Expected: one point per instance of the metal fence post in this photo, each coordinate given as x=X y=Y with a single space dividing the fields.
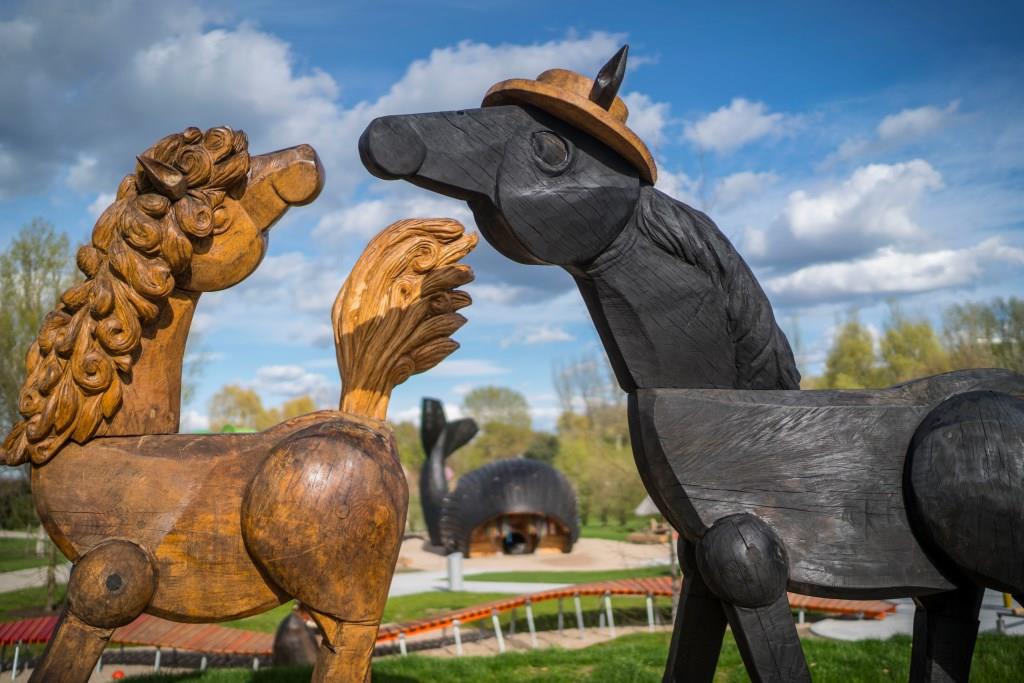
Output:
x=561 y=617
x=579 y=613
x=650 y=612
x=608 y=612
x=458 y=637
x=530 y=624
x=401 y=643
x=497 y=631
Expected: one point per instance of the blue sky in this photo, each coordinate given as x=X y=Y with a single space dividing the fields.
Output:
x=854 y=154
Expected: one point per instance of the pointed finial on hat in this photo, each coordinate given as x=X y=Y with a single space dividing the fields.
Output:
x=165 y=179
x=609 y=78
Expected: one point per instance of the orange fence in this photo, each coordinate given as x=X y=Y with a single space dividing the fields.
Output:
x=655 y=587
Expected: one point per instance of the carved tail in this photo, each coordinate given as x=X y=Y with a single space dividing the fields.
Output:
x=440 y=439
x=395 y=313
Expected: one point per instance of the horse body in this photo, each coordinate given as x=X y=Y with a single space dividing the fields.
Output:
x=218 y=526
x=833 y=493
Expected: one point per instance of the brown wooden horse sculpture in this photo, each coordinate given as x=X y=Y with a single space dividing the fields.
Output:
x=203 y=528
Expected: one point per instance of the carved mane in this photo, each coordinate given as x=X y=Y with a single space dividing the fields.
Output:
x=764 y=359
x=87 y=346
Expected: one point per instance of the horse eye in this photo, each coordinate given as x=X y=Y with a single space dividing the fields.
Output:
x=551 y=150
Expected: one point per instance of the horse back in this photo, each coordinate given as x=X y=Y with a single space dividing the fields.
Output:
x=824 y=468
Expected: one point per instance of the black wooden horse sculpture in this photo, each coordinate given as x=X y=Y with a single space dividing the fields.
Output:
x=916 y=490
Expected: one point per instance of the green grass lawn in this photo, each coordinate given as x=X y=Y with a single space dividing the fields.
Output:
x=20 y=553
x=27 y=602
x=571 y=577
x=611 y=532
x=640 y=657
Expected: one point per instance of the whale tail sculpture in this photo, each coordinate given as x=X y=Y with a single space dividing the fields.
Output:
x=916 y=490
x=440 y=438
x=211 y=527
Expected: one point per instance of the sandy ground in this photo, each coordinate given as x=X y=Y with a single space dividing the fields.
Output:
x=587 y=554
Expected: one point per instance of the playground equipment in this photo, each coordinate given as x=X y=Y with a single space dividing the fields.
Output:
x=200 y=528
x=917 y=490
x=513 y=506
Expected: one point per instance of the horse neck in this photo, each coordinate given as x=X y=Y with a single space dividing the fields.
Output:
x=676 y=306
x=151 y=397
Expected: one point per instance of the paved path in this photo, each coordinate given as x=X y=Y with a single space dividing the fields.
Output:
x=30 y=578
x=902 y=622
x=408 y=583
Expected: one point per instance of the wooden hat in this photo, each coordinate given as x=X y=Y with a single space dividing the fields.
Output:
x=593 y=106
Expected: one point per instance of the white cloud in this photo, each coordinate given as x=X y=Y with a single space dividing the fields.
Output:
x=896 y=129
x=733 y=189
x=736 y=125
x=467 y=367
x=100 y=204
x=192 y=421
x=367 y=218
x=543 y=334
x=873 y=207
x=890 y=271
x=647 y=118
x=875 y=200
x=291 y=381
x=911 y=123
x=679 y=186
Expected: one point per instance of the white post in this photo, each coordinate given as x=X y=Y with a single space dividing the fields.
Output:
x=455 y=571
x=458 y=637
x=401 y=643
x=579 y=613
x=17 y=651
x=650 y=612
x=256 y=663
x=497 y=631
x=512 y=622
x=561 y=617
x=800 y=616
x=156 y=660
x=202 y=663
x=530 y=625
x=608 y=611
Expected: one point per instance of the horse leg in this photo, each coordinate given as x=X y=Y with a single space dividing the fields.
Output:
x=700 y=625
x=945 y=629
x=744 y=563
x=346 y=650
x=110 y=585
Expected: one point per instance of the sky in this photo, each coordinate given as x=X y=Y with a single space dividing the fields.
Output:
x=859 y=155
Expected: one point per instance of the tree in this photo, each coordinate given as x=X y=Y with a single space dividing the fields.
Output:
x=497 y=404
x=503 y=416
x=238 y=407
x=910 y=349
x=34 y=270
x=979 y=335
x=850 y=363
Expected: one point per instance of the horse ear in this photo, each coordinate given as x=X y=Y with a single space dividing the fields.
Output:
x=165 y=179
x=609 y=78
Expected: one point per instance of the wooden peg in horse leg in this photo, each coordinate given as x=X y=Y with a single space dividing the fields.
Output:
x=744 y=563
x=110 y=586
x=699 y=628
x=945 y=630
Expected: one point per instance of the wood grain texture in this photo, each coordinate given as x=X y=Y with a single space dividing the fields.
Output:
x=400 y=302
x=215 y=527
x=716 y=424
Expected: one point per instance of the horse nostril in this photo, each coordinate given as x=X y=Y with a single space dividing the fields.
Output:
x=390 y=149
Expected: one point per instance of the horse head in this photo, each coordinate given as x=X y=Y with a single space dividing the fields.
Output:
x=548 y=167
x=554 y=176
x=192 y=217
